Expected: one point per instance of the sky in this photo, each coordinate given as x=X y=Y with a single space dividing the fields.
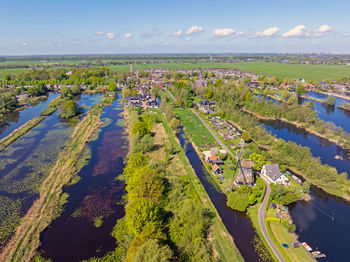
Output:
x=43 y=27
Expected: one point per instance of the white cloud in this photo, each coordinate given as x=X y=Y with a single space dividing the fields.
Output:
x=24 y=44
x=100 y=33
x=177 y=33
x=297 y=31
x=188 y=39
x=322 y=30
x=194 y=29
x=128 y=35
x=347 y=35
x=110 y=35
x=266 y=33
x=224 y=32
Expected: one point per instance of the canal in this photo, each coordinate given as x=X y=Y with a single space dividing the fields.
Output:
x=97 y=195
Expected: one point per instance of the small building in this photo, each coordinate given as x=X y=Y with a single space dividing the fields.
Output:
x=132 y=101
x=216 y=169
x=272 y=173
x=205 y=109
x=214 y=160
x=245 y=174
x=152 y=103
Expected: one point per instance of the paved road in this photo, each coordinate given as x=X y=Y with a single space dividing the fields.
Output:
x=263 y=203
x=262 y=224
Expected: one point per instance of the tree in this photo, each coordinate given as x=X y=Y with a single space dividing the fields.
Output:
x=146 y=144
x=248 y=97
x=75 y=90
x=143 y=215
x=289 y=198
x=246 y=136
x=306 y=186
x=140 y=129
x=174 y=124
x=301 y=90
x=259 y=161
x=152 y=251
x=112 y=86
x=292 y=100
x=69 y=109
x=239 y=200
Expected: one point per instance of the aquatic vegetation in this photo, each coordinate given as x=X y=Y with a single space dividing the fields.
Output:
x=98 y=221
x=77 y=213
x=51 y=200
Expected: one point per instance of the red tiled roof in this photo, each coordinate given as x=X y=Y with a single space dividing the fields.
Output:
x=213 y=158
x=215 y=167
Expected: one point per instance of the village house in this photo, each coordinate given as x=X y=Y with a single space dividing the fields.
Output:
x=132 y=101
x=214 y=160
x=216 y=170
x=272 y=173
x=245 y=174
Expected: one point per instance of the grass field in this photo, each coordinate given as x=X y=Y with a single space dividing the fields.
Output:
x=308 y=72
x=282 y=236
x=4 y=72
x=195 y=129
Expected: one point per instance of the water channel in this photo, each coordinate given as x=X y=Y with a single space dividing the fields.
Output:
x=25 y=164
x=97 y=194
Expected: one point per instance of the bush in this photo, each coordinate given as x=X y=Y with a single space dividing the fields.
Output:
x=146 y=144
x=153 y=251
x=140 y=129
x=69 y=109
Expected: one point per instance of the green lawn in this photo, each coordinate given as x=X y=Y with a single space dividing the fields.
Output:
x=195 y=129
x=308 y=72
x=282 y=236
x=4 y=72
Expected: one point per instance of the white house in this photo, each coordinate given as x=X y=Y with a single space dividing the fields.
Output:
x=272 y=173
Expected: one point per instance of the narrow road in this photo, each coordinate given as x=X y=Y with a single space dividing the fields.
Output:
x=262 y=224
x=263 y=204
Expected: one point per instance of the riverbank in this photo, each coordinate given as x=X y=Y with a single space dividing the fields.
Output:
x=26 y=240
x=19 y=132
x=298 y=125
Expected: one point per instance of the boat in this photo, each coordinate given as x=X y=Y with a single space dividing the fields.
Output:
x=307 y=247
x=315 y=253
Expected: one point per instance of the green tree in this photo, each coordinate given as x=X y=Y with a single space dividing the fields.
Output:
x=69 y=109
x=153 y=251
x=301 y=90
x=289 y=198
x=75 y=90
x=174 y=124
x=112 y=86
x=259 y=161
x=246 y=136
x=140 y=129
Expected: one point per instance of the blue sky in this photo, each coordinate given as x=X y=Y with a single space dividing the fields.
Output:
x=169 y=26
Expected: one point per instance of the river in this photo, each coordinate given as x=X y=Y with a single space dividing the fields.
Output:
x=27 y=162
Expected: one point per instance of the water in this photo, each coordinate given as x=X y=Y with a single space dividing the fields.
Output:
x=16 y=119
x=96 y=194
x=27 y=162
x=324 y=221
x=319 y=147
x=237 y=223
